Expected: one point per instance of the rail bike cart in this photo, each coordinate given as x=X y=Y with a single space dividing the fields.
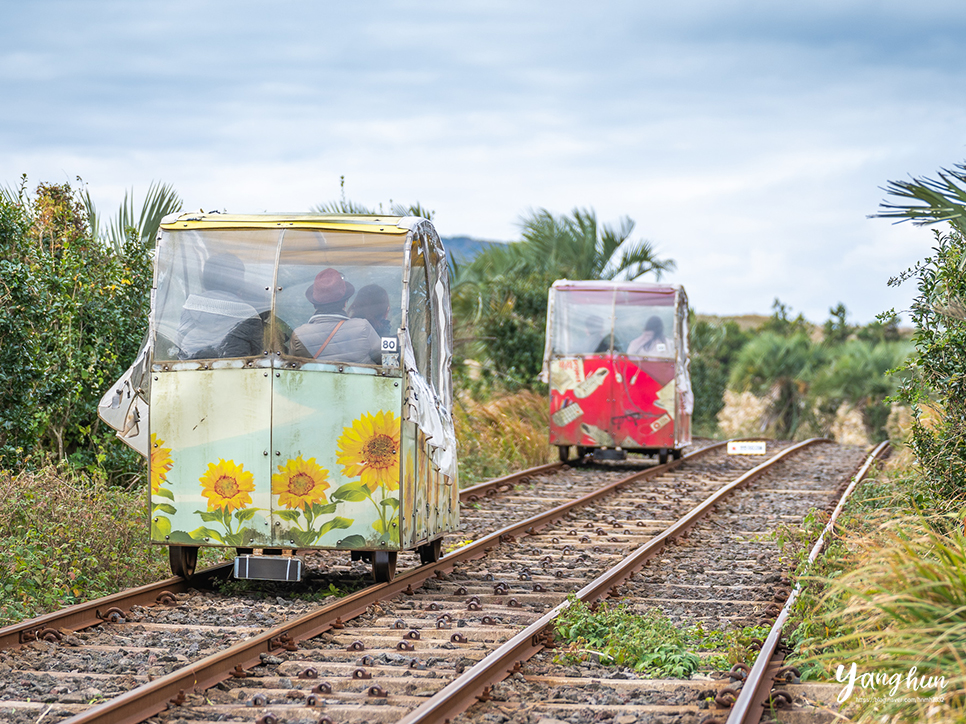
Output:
x=294 y=391
x=616 y=360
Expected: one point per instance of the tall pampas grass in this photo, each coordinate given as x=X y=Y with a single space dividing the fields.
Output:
x=905 y=617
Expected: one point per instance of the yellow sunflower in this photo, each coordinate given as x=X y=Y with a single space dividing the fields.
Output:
x=370 y=449
x=227 y=485
x=300 y=483
x=161 y=463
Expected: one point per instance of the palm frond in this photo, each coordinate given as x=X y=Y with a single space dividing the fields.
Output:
x=416 y=209
x=160 y=200
x=342 y=207
x=942 y=199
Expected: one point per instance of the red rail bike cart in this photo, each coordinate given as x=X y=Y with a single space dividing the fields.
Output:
x=616 y=361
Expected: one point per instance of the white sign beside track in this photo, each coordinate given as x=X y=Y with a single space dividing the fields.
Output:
x=746 y=447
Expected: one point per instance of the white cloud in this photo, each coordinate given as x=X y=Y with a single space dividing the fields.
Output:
x=748 y=140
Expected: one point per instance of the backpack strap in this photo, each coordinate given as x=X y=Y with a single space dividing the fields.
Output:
x=329 y=338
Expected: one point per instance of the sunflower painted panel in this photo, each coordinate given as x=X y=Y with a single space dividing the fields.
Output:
x=335 y=460
x=210 y=437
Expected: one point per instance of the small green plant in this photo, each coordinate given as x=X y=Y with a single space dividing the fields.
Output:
x=614 y=634
x=450 y=547
x=722 y=649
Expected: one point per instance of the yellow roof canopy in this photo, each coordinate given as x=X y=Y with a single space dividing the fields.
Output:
x=332 y=222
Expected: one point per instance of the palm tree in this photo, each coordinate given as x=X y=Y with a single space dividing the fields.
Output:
x=858 y=373
x=505 y=287
x=160 y=200
x=344 y=206
x=577 y=247
x=777 y=368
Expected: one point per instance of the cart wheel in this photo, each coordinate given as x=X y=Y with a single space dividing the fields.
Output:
x=431 y=552
x=183 y=560
x=564 y=451
x=676 y=454
x=383 y=566
x=662 y=456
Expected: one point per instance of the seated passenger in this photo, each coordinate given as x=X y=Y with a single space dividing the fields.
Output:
x=652 y=341
x=593 y=340
x=372 y=304
x=330 y=334
x=217 y=322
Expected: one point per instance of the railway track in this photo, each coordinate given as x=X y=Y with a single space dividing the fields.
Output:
x=400 y=651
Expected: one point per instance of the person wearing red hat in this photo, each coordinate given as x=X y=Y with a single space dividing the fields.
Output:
x=330 y=334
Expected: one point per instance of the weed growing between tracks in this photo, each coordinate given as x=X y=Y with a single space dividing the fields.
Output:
x=615 y=634
x=307 y=589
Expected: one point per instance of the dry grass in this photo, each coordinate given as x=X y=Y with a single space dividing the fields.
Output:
x=848 y=427
x=905 y=619
x=501 y=435
x=888 y=598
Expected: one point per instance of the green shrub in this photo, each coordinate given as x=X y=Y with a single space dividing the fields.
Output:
x=67 y=537
x=72 y=315
x=713 y=349
x=935 y=387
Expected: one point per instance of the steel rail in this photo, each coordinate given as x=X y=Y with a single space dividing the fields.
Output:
x=149 y=699
x=91 y=613
x=481 y=490
x=749 y=705
x=462 y=692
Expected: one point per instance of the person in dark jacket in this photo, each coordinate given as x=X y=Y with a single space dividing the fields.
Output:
x=330 y=334
x=372 y=304
x=217 y=322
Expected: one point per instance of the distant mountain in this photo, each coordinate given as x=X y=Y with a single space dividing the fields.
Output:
x=464 y=248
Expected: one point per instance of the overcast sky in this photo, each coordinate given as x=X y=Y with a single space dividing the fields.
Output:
x=749 y=141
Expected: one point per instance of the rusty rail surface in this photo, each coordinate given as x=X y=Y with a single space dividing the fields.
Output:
x=490 y=487
x=463 y=692
x=94 y=612
x=756 y=689
x=149 y=699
